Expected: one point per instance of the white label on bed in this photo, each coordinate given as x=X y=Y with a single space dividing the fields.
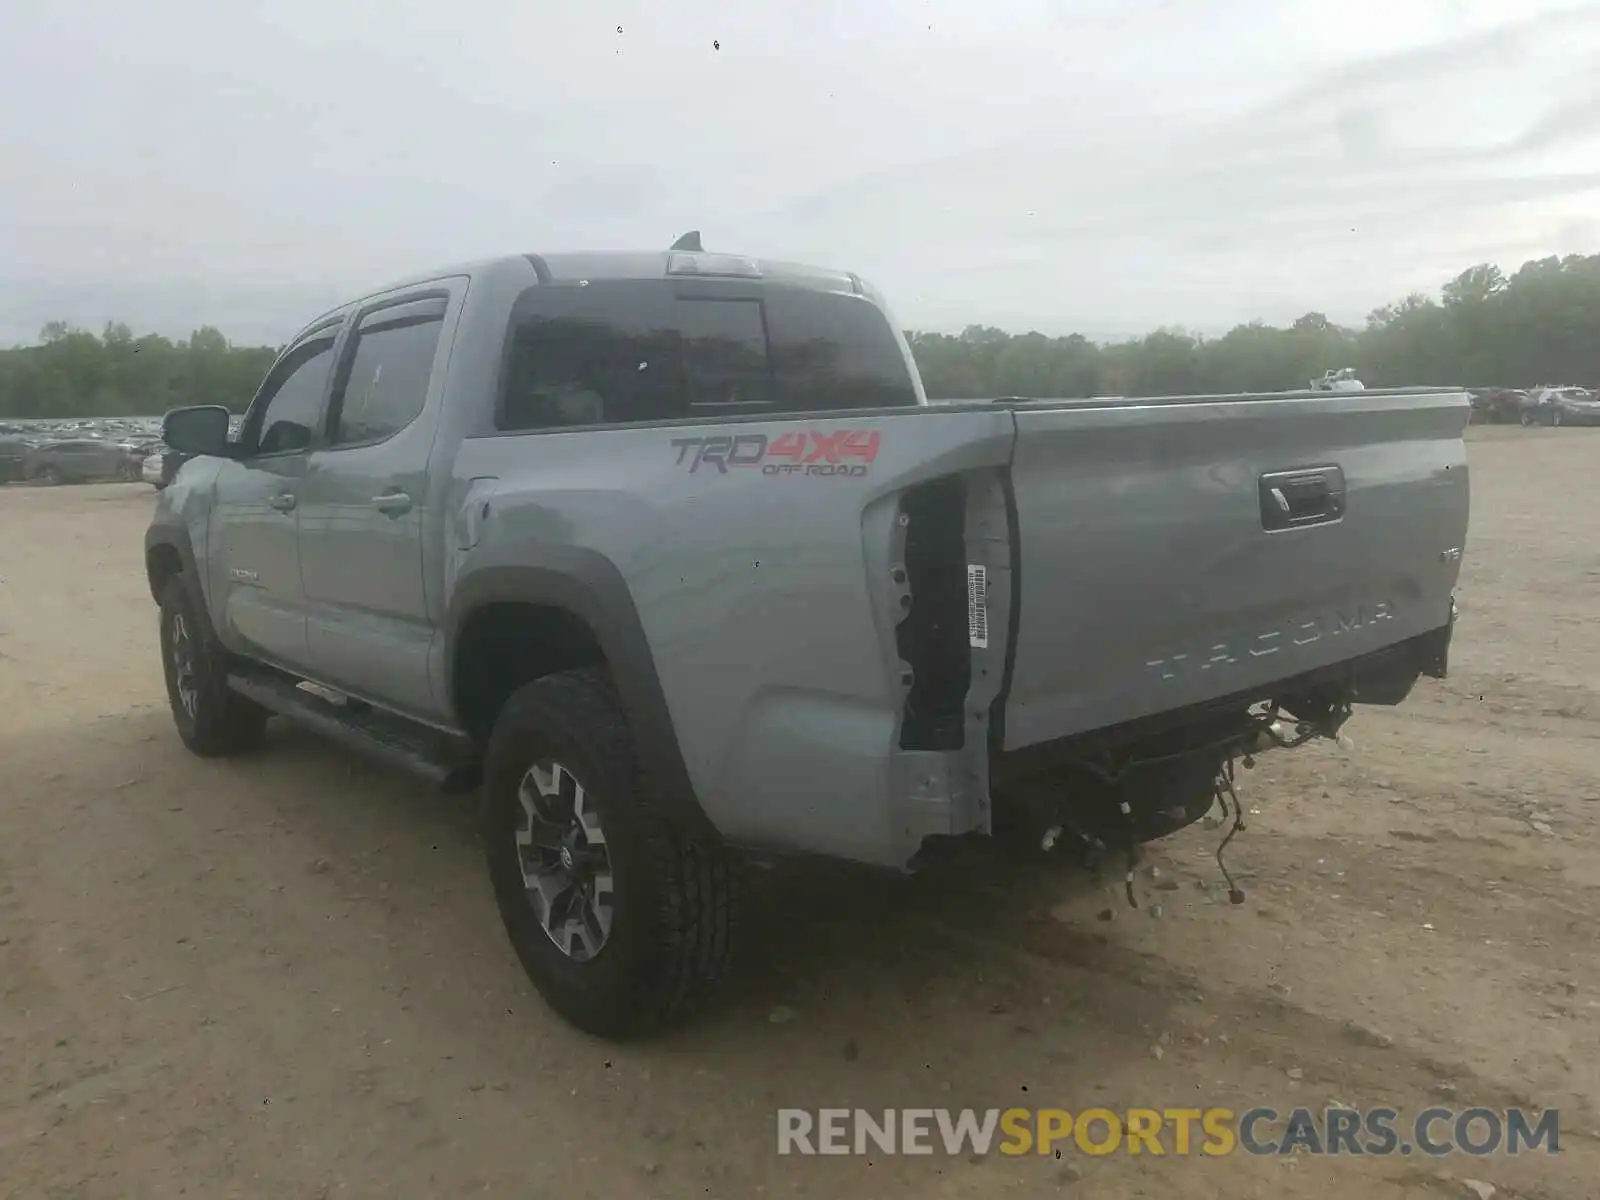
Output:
x=978 y=605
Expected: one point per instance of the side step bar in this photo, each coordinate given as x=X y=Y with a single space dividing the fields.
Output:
x=434 y=756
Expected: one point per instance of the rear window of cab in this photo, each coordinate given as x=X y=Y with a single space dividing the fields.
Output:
x=622 y=352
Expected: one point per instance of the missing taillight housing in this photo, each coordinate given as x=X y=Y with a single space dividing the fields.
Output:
x=932 y=637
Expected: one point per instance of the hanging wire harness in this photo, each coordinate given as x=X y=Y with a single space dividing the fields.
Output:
x=1267 y=728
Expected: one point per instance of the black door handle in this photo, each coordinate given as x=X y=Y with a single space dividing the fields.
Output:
x=1304 y=496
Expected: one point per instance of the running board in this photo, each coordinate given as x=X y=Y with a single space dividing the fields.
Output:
x=432 y=755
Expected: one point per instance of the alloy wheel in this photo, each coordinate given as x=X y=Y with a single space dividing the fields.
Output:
x=183 y=666
x=565 y=862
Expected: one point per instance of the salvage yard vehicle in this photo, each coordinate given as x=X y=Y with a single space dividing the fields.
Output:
x=1562 y=406
x=1499 y=406
x=1340 y=379
x=668 y=557
x=14 y=451
x=82 y=460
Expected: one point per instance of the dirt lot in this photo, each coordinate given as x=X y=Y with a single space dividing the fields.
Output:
x=284 y=976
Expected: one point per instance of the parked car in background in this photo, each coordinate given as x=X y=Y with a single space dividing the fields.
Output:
x=1498 y=406
x=1342 y=379
x=80 y=460
x=1562 y=406
x=14 y=451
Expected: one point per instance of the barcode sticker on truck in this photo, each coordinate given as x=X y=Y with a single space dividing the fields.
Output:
x=978 y=605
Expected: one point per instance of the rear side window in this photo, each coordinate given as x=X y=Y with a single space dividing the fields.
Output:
x=621 y=353
x=387 y=383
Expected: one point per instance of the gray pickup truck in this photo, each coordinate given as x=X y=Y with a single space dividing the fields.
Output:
x=668 y=555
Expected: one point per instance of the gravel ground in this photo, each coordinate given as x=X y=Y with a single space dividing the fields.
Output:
x=283 y=976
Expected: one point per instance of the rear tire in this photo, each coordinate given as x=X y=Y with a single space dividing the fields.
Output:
x=652 y=954
x=212 y=720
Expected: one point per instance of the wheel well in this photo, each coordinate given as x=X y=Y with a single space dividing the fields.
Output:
x=161 y=564
x=502 y=646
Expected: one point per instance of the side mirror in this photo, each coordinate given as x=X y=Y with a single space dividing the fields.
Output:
x=202 y=429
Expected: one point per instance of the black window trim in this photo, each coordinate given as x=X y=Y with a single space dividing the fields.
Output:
x=330 y=331
x=426 y=305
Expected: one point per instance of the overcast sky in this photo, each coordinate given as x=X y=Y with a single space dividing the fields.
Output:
x=1101 y=166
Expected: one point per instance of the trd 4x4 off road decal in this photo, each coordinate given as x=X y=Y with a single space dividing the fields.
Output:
x=847 y=452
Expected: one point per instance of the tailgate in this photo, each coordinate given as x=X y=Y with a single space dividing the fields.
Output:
x=1176 y=551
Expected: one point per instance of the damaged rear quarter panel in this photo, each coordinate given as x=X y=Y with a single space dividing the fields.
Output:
x=763 y=588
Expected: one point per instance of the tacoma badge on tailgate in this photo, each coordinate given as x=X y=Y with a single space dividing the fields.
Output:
x=1297 y=633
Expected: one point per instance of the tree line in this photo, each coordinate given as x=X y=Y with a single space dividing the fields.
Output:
x=1538 y=326
x=75 y=373
x=1485 y=329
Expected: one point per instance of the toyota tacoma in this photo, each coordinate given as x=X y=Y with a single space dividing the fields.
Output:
x=668 y=558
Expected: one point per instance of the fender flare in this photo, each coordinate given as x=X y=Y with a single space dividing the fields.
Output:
x=588 y=585
x=175 y=536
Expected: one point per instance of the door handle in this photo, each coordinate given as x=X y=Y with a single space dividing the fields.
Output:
x=283 y=502
x=392 y=503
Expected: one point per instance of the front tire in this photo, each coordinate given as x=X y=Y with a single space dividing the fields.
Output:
x=621 y=921
x=212 y=720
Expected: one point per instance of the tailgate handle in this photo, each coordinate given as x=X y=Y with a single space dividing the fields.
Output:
x=1304 y=496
